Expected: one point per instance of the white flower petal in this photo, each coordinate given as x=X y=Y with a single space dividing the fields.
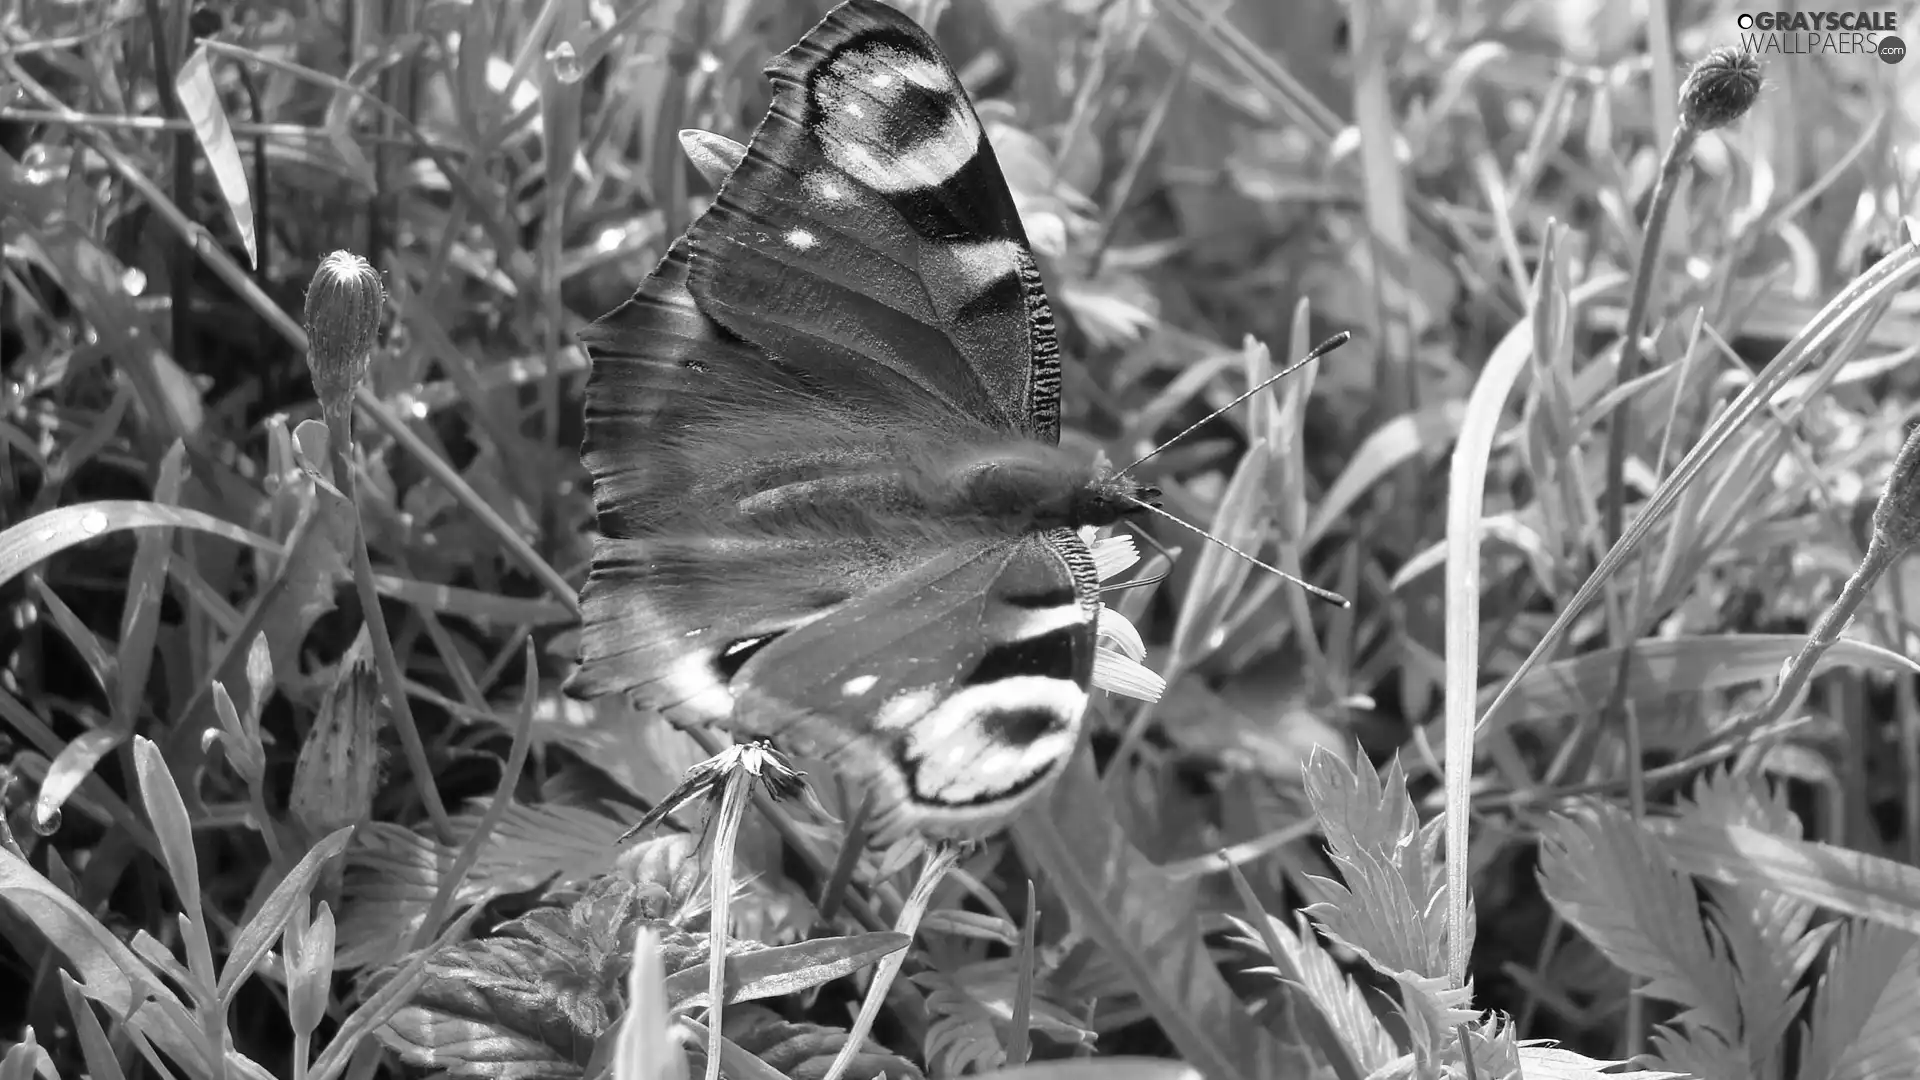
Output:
x=1116 y=674
x=1113 y=554
x=1116 y=631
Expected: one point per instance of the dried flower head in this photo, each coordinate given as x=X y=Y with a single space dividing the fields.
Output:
x=343 y=325
x=1720 y=89
x=1896 y=519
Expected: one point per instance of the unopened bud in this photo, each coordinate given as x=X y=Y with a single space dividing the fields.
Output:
x=240 y=735
x=1720 y=89
x=308 y=953
x=1896 y=519
x=339 y=764
x=343 y=325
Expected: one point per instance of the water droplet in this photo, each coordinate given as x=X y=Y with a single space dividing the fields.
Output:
x=93 y=523
x=566 y=63
x=47 y=825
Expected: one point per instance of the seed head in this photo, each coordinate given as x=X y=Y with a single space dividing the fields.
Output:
x=343 y=325
x=1720 y=89
x=1896 y=519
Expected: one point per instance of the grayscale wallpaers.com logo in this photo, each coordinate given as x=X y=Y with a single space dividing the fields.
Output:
x=1816 y=33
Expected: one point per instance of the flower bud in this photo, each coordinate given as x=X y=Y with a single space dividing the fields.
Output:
x=339 y=765
x=1896 y=518
x=239 y=735
x=343 y=325
x=1720 y=89
x=308 y=953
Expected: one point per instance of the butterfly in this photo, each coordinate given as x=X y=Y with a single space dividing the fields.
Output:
x=823 y=436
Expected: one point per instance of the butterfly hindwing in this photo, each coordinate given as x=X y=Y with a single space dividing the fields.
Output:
x=870 y=227
x=968 y=676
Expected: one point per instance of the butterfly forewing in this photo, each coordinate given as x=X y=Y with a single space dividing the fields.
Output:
x=870 y=226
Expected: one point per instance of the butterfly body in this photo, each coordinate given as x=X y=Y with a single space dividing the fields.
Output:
x=823 y=436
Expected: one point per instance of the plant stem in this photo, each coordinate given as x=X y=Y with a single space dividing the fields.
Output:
x=339 y=438
x=1642 y=290
x=1614 y=494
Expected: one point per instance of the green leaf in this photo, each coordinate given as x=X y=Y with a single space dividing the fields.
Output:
x=168 y=814
x=1147 y=924
x=495 y=1009
x=257 y=936
x=174 y=829
x=102 y=1062
x=109 y=971
x=1608 y=876
x=1848 y=881
x=786 y=969
x=1539 y=1061
x=56 y=530
x=1105 y=1068
x=146 y=582
x=199 y=99
x=1386 y=908
x=1866 y=1012
x=1664 y=667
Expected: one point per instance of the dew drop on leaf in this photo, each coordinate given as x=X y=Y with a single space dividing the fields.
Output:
x=566 y=63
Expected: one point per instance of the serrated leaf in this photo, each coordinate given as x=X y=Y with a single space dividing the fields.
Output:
x=392 y=876
x=498 y=1009
x=532 y=844
x=1339 y=998
x=1765 y=931
x=1700 y=1052
x=200 y=100
x=1865 y=1023
x=1605 y=874
x=1144 y=921
x=1389 y=906
x=973 y=1011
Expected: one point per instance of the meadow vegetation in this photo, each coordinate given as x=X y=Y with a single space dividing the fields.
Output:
x=1613 y=763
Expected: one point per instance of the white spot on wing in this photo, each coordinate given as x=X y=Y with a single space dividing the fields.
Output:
x=873 y=77
x=858 y=685
x=1034 y=623
x=905 y=708
x=958 y=759
x=825 y=188
x=690 y=681
x=800 y=239
x=984 y=262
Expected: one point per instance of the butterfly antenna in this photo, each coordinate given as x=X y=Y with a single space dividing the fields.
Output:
x=1316 y=353
x=1329 y=596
